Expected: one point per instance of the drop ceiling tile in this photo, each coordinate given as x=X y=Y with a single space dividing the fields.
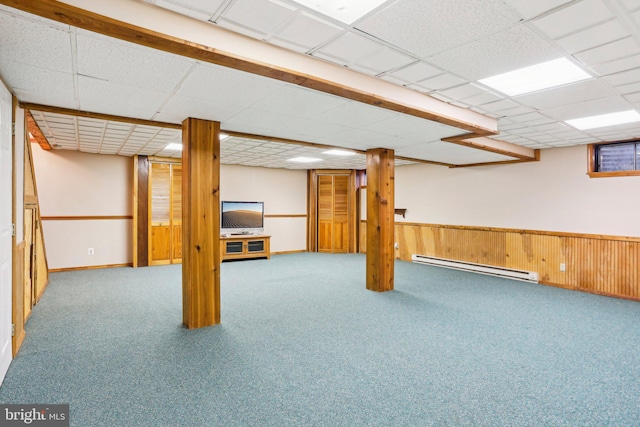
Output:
x=482 y=98
x=348 y=48
x=427 y=27
x=590 y=38
x=207 y=7
x=633 y=97
x=308 y=31
x=383 y=60
x=299 y=102
x=442 y=81
x=573 y=18
x=617 y=65
x=265 y=16
x=588 y=108
x=630 y=88
x=109 y=98
x=530 y=9
x=212 y=82
x=179 y=107
x=182 y=9
x=355 y=115
x=39 y=85
x=259 y=122
x=623 y=78
x=416 y=72
x=569 y=94
x=463 y=91
x=34 y=43
x=236 y=28
x=498 y=106
x=609 y=52
x=311 y=129
x=508 y=50
x=128 y=64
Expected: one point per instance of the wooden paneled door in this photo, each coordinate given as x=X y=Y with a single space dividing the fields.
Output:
x=165 y=211
x=334 y=209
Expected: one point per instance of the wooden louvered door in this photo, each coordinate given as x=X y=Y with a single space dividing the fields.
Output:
x=333 y=213
x=165 y=188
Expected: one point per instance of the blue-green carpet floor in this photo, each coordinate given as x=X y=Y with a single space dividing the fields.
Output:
x=303 y=343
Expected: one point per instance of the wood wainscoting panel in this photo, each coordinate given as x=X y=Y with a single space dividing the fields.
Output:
x=599 y=264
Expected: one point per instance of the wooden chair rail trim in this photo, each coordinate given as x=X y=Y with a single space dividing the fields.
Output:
x=86 y=217
x=522 y=231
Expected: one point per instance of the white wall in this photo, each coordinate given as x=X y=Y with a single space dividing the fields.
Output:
x=74 y=184
x=283 y=191
x=554 y=194
x=71 y=183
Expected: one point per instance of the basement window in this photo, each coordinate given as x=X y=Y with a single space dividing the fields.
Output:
x=614 y=159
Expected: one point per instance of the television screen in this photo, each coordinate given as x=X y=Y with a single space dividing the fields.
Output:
x=242 y=215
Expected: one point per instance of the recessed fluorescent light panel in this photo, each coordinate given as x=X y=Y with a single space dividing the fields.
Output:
x=304 y=160
x=223 y=136
x=537 y=77
x=174 y=147
x=339 y=153
x=347 y=11
x=612 y=119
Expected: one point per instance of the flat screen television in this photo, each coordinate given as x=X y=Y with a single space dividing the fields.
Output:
x=242 y=217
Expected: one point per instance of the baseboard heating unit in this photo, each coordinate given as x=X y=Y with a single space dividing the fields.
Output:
x=509 y=273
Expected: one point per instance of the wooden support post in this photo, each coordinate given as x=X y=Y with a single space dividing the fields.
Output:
x=201 y=223
x=380 y=220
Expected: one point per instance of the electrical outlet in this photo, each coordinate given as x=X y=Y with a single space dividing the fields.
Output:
x=90 y=251
x=563 y=266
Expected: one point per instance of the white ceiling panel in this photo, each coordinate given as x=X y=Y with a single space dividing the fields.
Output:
x=50 y=46
x=179 y=107
x=565 y=95
x=426 y=27
x=438 y=82
x=265 y=16
x=383 y=60
x=259 y=122
x=596 y=107
x=308 y=31
x=128 y=64
x=415 y=72
x=617 y=65
x=348 y=48
x=105 y=97
x=299 y=102
x=208 y=7
x=623 y=78
x=39 y=85
x=356 y=115
x=530 y=9
x=592 y=37
x=215 y=83
x=507 y=50
x=576 y=17
x=413 y=127
x=609 y=52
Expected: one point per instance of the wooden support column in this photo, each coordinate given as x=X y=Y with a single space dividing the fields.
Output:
x=201 y=223
x=380 y=220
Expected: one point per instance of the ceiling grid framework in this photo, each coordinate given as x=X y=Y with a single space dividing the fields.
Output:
x=392 y=43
